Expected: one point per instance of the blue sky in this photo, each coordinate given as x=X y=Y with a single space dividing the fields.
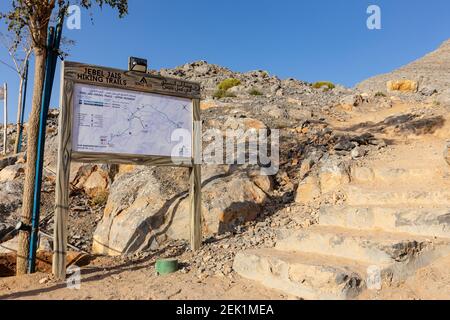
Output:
x=307 y=40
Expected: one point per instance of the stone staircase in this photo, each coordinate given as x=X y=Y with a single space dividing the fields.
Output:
x=396 y=219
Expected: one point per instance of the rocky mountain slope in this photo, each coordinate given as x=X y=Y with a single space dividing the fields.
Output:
x=432 y=72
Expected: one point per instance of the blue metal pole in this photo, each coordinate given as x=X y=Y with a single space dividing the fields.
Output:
x=54 y=41
x=24 y=99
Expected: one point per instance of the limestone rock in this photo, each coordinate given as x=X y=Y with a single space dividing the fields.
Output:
x=274 y=111
x=353 y=100
x=10 y=246
x=11 y=197
x=140 y=210
x=362 y=174
x=358 y=152
x=226 y=202
x=263 y=182
x=428 y=91
x=308 y=190
x=253 y=124
x=11 y=172
x=96 y=184
x=305 y=168
x=300 y=114
x=333 y=174
x=8 y=161
x=402 y=85
x=243 y=124
x=93 y=179
x=209 y=104
x=79 y=173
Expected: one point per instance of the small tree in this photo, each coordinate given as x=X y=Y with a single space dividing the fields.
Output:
x=20 y=51
x=34 y=16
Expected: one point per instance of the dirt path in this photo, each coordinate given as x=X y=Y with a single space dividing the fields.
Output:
x=110 y=279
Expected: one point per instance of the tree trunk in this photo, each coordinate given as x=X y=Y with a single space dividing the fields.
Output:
x=19 y=114
x=32 y=132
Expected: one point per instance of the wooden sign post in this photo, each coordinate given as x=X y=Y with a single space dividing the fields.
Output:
x=124 y=117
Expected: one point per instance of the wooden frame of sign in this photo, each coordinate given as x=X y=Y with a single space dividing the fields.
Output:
x=74 y=73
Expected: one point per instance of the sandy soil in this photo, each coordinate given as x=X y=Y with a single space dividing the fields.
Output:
x=429 y=283
x=109 y=279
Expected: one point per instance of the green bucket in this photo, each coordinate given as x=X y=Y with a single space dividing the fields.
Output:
x=166 y=266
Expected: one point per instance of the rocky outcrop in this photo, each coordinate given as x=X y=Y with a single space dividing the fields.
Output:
x=144 y=209
x=402 y=85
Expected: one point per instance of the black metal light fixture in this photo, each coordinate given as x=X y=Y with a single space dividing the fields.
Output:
x=137 y=64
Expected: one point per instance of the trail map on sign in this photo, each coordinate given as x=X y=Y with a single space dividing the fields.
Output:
x=128 y=122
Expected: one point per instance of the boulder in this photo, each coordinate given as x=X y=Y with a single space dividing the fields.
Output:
x=265 y=183
x=362 y=174
x=333 y=174
x=132 y=209
x=300 y=114
x=12 y=172
x=11 y=197
x=353 y=100
x=209 y=104
x=308 y=190
x=8 y=161
x=358 y=152
x=243 y=124
x=93 y=179
x=146 y=206
x=273 y=111
x=402 y=85
x=428 y=91
x=79 y=173
x=295 y=102
x=305 y=168
x=250 y=123
x=96 y=184
x=226 y=203
x=344 y=145
x=10 y=246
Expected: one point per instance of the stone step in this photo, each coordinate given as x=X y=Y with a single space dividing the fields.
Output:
x=432 y=221
x=374 y=247
x=303 y=275
x=398 y=174
x=363 y=196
